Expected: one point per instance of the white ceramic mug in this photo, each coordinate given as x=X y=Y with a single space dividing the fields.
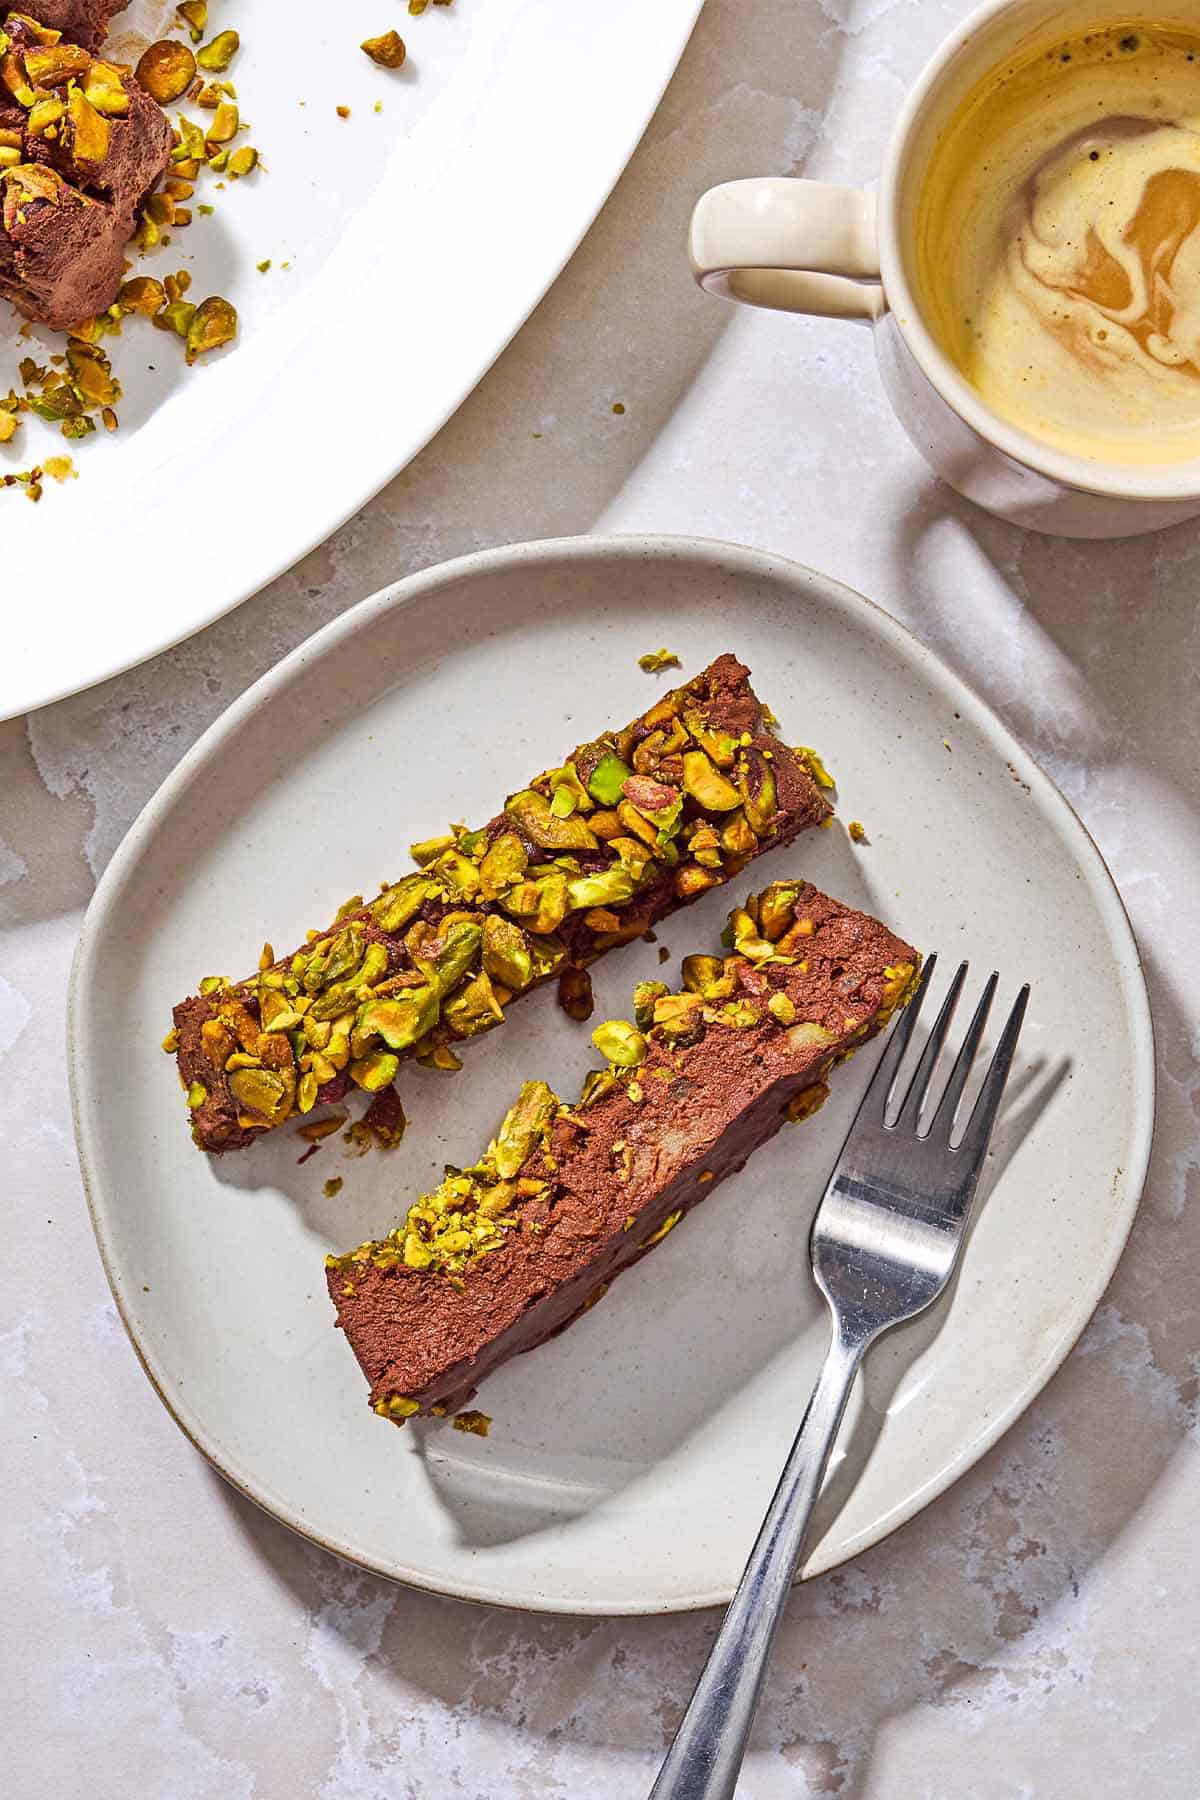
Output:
x=806 y=246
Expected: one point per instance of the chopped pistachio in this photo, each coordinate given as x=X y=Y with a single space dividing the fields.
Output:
x=679 y=1017
x=166 y=70
x=706 y=784
x=472 y=1420
x=197 y=1094
x=104 y=86
x=575 y=994
x=655 y=660
x=782 y=1007
x=808 y=1101
x=607 y=779
x=523 y=1125
x=506 y=954
x=857 y=831
x=644 y=996
x=91 y=133
x=214 y=323
x=194 y=14
x=225 y=122
x=815 y=766
x=143 y=294
x=217 y=55
x=375 y=1072
x=621 y=1042
x=388 y=50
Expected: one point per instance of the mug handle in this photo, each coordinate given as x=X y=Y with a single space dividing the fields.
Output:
x=794 y=245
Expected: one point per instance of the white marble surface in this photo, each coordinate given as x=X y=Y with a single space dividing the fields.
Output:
x=1034 y=1633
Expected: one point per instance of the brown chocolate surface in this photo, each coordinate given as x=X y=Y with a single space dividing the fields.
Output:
x=623 y=1159
x=66 y=222
x=81 y=21
x=724 y=695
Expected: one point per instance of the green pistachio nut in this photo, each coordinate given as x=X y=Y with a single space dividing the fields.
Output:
x=397 y=905
x=706 y=784
x=522 y=1128
x=644 y=996
x=679 y=1017
x=596 y=1084
x=717 y=744
x=621 y=1042
x=503 y=863
x=608 y=778
x=756 y=783
x=506 y=954
x=259 y=1091
x=429 y=849
x=567 y=793
x=609 y=887
x=705 y=975
x=532 y=812
x=777 y=908
x=541 y=904
x=400 y=1022
x=473 y=1009
x=375 y=1071
x=459 y=873
x=548 y=953
x=457 y=953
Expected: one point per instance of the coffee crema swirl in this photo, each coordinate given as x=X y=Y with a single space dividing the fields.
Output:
x=1058 y=244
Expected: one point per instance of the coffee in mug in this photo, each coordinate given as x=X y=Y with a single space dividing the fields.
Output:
x=1057 y=241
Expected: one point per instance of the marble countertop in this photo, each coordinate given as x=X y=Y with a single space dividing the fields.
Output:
x=1032 y=1634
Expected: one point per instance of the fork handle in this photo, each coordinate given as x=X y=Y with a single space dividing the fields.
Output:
x=705 y=1758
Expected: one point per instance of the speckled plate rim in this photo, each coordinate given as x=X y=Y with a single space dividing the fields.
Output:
x=705 y=552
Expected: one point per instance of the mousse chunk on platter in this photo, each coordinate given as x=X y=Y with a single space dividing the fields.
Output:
x=508 y=1251
x=81 y=146
x=631 y=826
x=83 y=22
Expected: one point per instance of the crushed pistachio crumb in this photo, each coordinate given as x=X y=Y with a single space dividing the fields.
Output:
x=333 y=1187
x=388 y=50
x=815 y=766
x=857 y=831
x=477 y=1423
x=656 y=660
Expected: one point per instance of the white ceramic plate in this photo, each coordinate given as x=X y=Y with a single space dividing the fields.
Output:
x=631 y=1459
x=419 y=239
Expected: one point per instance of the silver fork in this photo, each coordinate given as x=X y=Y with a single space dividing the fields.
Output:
x=884 y=1244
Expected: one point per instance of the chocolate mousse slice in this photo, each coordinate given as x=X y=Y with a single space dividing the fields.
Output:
x=81 y=146
x=507 y=1252
x=631 y=826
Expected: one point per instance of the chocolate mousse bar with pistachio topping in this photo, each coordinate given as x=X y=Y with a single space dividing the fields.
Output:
x=81 y=146
x=507 y=1252
x=629 y=827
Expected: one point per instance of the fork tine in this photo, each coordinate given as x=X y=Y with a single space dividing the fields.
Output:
x=979 y=1128
x=918 y=1087
x=874 y=1102
x=943 y=1118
